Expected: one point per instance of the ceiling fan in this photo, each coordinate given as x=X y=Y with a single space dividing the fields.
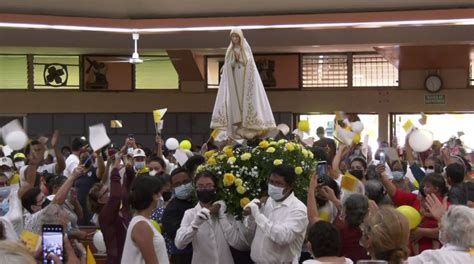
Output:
x=135 y=59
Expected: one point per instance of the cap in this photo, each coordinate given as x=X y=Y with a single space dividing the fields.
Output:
x=138 y=153
x=5 y=161
x=19 y=155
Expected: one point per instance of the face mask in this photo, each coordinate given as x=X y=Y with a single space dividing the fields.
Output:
x=429 y=171
x=19 y=164
x=359 y=174
x=397 y=175
x=4 y=207
x=184 y=191
x=152 y=173
x=276 y=193
x=166 y=196
x=87 y=161
x=4 y=192
x=206 y=196
x=139 y=165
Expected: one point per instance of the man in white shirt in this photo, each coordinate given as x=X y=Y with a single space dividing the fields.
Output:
x=279 y=226
x=35 y=154
x=78 y=146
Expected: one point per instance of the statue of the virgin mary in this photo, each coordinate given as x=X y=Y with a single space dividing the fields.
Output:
x=242 y=107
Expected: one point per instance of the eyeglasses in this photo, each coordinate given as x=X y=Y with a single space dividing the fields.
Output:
x=204 y=187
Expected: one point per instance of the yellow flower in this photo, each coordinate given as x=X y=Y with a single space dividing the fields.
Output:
x=228 y=151
x=298 y=170
x=209 y=153
x=311 y=155
x=305 y=153
x=231 y=160
x=273 y=143
x=270 y=150
x=244 y=201
x=263 y=144
x=245 y=156
x=277 y=162
x=238 y=182
x=241 y=189
x=228 y=179
x=282 y=141
x=222 y=157
x=211 y=161
x=200 y=168
x=290 y=146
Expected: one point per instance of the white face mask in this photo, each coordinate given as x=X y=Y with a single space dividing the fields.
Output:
x=429 y=171
x=276 y=193
x=152 y=172
x=19 y=164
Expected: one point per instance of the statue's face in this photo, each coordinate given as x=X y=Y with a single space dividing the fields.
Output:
x=235 y=39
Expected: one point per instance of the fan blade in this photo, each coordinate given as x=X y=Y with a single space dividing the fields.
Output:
x=60 y=72
x=58 y=80
x=116 y=61
x=50 y=78
x=161 y=59
x=52 y=70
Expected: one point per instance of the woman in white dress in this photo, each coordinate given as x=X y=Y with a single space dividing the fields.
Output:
x=144 y=244
x=242 y=106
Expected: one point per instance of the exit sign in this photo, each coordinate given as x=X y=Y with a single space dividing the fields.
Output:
x=439 y=99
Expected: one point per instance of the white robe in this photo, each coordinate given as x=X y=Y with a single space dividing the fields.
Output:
x=241 y=105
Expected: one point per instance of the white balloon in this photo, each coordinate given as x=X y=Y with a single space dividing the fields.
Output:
x=98 y=241
x=172 y=144
x=357 y=126
x=420 y=140
x=16 y=140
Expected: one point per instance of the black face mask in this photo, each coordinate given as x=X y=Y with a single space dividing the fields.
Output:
x=206 y=196
x=359 y=174
x=166 y=195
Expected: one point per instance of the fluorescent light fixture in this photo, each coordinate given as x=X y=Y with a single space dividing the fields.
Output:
x=375 y=24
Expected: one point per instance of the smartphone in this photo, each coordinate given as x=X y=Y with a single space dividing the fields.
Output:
x=321 y=168
x=382 y=158
x=53 y=242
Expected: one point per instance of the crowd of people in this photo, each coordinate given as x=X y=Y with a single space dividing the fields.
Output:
x=151 y=208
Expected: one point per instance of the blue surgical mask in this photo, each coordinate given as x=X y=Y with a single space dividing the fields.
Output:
x=397 y=175
x=139 y=165
x=4 y=192
x=4 y=207
x=184 y=191
x=276 y=193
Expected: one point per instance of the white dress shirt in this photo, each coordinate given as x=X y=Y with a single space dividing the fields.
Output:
x=279 y=231
x=212 y=239
x=448 y=254
x=71 y=163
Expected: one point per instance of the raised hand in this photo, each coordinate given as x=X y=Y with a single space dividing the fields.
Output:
x=55 y=139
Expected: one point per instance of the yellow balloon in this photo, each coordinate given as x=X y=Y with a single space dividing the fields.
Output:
x=412 y=215
x=303 y=125
x=356 y=139
x=185 y=144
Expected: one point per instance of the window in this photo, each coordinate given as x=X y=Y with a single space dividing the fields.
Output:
x=156 y=73
x=373 y=70
x=324 y=71
x=56 y=72
x=13 y=72
x=471 y=73
x=214 y=65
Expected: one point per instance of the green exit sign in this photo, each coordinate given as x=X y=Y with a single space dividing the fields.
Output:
x=439 y=99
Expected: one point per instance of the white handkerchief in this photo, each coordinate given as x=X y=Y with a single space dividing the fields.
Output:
x=98 y=137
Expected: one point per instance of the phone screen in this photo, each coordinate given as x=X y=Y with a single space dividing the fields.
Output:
x=321 y=168
x=52 y=242
x=382 y=158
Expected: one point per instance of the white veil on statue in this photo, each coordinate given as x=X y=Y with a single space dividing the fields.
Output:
x=242 y=106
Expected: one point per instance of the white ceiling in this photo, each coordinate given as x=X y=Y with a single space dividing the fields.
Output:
x=135 y=9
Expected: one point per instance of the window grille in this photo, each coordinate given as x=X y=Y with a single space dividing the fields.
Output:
x=373 y=70
x=324 y=71
x=56 y=72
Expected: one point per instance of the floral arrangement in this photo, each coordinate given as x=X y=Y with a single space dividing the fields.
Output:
x=243 y=171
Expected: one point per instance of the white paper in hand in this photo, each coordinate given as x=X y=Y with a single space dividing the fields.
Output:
x=180 y=156
x=98 y=137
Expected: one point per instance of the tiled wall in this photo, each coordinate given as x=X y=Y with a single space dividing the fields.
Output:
x=180 y=125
